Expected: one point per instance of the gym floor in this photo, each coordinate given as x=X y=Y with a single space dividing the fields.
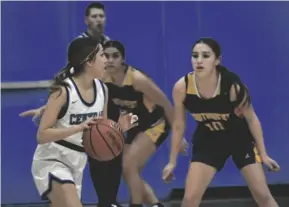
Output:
x=238 y=196
x=283 y=202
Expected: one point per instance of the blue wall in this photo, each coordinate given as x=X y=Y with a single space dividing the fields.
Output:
x=158 y=36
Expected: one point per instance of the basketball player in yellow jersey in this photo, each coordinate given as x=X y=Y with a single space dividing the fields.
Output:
x=226 y=126
x=132 y=91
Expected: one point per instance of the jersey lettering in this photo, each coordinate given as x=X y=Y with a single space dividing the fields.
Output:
x=214 y=120
x=125 y=103
x=79 y=118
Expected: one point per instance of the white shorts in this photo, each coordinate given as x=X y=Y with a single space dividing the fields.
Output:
x=53 y=161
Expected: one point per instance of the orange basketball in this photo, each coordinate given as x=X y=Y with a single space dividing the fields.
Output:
x=104 y=140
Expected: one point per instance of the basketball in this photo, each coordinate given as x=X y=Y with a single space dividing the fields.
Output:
x=104 y=140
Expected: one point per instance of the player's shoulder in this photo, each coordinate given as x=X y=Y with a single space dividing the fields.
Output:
x=135 y=69
x=59 y=93
x=180 y=85
x=182 y=80
x=137 y=73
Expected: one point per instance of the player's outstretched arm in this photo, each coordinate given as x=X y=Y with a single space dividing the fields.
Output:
x=32 y=112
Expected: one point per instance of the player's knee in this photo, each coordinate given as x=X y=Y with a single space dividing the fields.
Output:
x=129 y=167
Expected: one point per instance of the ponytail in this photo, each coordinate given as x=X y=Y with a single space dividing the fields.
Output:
x=242 y=92
x=58 y=80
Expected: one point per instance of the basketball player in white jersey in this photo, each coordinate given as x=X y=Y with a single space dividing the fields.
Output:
x=106 y=176
x=76 y=99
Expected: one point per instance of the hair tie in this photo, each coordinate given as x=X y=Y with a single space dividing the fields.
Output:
x=71 y=70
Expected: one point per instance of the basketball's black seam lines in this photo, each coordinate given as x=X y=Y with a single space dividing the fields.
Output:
x=115 y=133
x=118 y=132
x=105 y=141
x=91 y=145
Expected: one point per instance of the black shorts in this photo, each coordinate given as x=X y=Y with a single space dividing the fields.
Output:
x=158 y=132
x=216 y=152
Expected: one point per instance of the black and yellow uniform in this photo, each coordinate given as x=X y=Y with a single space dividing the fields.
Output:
x=151 y=116
x=219 y=132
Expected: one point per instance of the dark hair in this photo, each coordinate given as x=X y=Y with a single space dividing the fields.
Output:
x=94 y=5
x=243 y=97
x=80 y=51
x=116 y=44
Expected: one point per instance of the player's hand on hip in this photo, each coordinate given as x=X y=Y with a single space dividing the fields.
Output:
x=184 y=147
x=271 y=164
x=168 y=173
x=127 y=121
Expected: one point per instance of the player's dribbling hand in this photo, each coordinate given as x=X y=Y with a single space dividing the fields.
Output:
x=184 y=147
x=87 y=124
x=271 y=164
x=168 y=173
x=127 y=121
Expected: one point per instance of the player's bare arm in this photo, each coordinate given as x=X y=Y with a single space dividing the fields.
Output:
x=179 y=92
x=252 y=119
x=143 y=84
x=46 y=131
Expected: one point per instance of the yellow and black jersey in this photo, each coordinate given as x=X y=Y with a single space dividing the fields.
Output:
x=219 y=133
x=215 y=114
x=126 y=98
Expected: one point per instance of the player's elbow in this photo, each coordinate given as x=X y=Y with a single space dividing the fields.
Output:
x=41 y=137
x=168 y=107
x=250 y=116
x=179 y=126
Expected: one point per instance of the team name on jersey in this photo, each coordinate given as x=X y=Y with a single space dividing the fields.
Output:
x=210 y=116
x=214 y=121
x=125 y=103
x=79 y=118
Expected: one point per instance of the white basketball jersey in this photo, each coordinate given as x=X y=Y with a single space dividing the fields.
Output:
x=79 y=111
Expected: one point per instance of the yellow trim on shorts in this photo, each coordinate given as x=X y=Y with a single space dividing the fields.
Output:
x=156 y=131
x=257 y=156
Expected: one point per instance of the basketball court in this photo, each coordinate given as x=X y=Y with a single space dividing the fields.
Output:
x=214 y=197
x=283 y=202
x=255 y=46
